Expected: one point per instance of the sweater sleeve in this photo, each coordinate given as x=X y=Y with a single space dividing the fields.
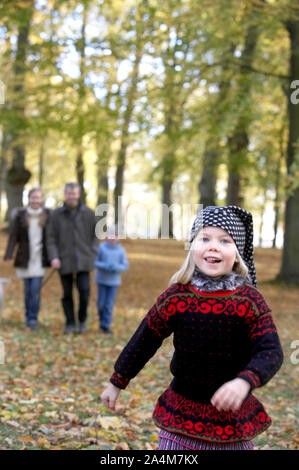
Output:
x=266 y=351
x=99 y=263
x=149 y=336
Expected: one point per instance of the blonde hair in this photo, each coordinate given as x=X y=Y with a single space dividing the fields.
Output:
x=185 y=273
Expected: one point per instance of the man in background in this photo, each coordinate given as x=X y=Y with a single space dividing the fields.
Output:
x=72 y=247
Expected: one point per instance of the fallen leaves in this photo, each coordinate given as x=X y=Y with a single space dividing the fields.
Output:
x=51 y=383
x=109 y=422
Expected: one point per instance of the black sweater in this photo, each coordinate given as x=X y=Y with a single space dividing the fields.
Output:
x=217 y=337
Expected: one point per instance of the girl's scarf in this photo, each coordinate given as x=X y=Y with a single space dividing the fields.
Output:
x=226 y=282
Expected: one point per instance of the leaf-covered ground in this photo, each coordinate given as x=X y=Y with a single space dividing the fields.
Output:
x=50 y=383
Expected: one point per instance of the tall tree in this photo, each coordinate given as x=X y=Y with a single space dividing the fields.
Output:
x=217 y=118
x=128 y=104
x=207 y=184
x=4 y=106
x=238 y=140
x=18 y=175
x=124 y=139
x=81 y=46
x=175 y=44
x=290 y=261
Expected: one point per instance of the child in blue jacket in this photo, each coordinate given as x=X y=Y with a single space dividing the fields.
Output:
x=110 y=261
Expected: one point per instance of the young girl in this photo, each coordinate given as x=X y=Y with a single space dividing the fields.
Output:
x=225 y=341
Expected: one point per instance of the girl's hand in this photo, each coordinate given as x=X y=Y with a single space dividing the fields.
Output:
x=110 y=395
x=231 y=395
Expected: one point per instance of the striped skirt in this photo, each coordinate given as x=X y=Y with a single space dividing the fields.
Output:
x=172 y=441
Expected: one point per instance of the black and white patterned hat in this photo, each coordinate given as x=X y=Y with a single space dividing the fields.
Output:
x=237 y=222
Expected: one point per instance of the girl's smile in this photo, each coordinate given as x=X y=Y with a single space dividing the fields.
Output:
x=214 y=251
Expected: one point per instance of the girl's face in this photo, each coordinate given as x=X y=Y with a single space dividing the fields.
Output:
x=214 y=251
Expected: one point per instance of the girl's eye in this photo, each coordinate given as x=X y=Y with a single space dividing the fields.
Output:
x=204 y=239
x=225 y=241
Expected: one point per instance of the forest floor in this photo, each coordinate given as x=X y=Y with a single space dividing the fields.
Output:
x=50 y=383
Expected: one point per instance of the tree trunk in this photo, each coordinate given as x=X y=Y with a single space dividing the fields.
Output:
x=41 y=164
x=166 y=228
x=18 y=175
x=207 y=184
x=211 y=160
x=103 y=156
x=127 y=117
x=277 y=200
x=168 y=172
x=263 y=210
x=238 y=142
x=238 y=148
x=3 y=165
x=81 y=45
x=80 y=174
x=290 y=260
x=103 y=143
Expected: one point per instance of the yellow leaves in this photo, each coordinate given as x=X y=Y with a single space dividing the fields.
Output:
x=27 y=439
x=6 y=415
x=28 y=416
x=28 y=392
x=122 y=446
x=43 y=443
x=149 y=446
x=36 y=39
x=23 y=4
x=109 y=422
x=86 y=355
x=32 y=370
x=73 y=418
x=51 y=414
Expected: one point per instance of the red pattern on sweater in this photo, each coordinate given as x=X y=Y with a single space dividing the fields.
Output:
x=176 y=414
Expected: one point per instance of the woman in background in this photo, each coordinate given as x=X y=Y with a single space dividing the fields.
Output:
x=28 y=233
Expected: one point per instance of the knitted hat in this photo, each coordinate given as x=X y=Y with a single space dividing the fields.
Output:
x=238 y=224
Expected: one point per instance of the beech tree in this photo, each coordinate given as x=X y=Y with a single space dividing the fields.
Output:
x=17 y=174
x=290 y=261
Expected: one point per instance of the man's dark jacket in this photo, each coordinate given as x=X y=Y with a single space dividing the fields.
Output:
x=71 y=238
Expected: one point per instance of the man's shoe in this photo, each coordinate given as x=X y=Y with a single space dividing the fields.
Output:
x=33 y=326
x=82 y=327
x=69 y=329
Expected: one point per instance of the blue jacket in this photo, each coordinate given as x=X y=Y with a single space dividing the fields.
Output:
x=110 y=261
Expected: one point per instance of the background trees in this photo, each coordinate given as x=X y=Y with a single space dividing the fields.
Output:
x=185 y=101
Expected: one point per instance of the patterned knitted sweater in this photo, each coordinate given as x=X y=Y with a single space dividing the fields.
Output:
x=217 y=337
